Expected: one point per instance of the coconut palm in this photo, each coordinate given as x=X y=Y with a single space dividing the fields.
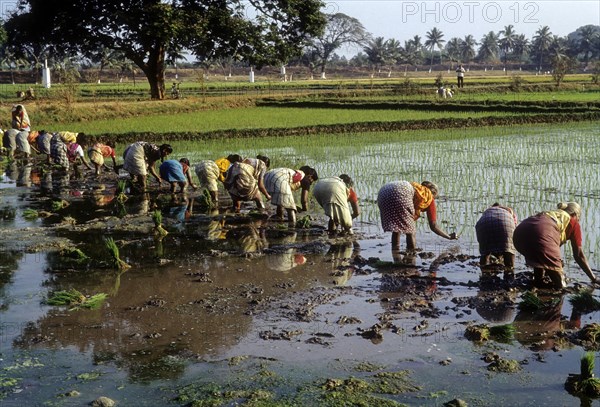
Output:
x=488 y=50
x=453 y=50
x=413 y=50
x=507 y=41
x=520 y=47
x=541 y=43
x=376 y=52
x=393 y=53
x=467 y=48
x=434 y=39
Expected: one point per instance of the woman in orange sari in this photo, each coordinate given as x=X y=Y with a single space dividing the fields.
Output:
x=400 y=205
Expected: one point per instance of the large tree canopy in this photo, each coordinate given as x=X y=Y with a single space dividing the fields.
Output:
x=261 y=31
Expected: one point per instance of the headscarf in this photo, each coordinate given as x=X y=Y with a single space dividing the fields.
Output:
x=20 y=121
x=422 y=198
x=68 y=136
x=223 y=164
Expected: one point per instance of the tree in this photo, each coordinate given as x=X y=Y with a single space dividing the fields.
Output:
x=586 y=41
x=340 y=30
x=467 y=48
x=520 y=47
x=561 y=65
x=453 y=49
x=144 y=30
x=434 y=39
x=541 y=43
x=488 y=50
x=376 y=52
x=106 y=58
x=413 y=50
x=506 y=41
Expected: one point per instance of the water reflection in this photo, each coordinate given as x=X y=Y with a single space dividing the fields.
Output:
x=537 y=329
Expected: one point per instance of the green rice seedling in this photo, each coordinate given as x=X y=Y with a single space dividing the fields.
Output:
x=304 y=222
x=114 y=252
x=584 y=383
x=70 y=297
x=503 y=333
x=530 y=301
x=76 y=300
x=158 y=228
x=58 y=205
x=120 y=191
x=74 y=253
x=584 y=302
x=205 y=200
x=30 y=214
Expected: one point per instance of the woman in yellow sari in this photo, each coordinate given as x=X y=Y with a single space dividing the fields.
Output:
x=400 y=205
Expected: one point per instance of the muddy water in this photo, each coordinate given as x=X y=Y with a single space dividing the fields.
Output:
x=245 y=302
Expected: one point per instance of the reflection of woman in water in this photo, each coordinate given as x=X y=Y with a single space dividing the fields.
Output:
x=537 y=329
x=286 y=258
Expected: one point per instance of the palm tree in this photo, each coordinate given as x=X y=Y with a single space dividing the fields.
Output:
x=520 y=47
x=453 y=50
x=488 y=50
x=413 y=50
x=376 y=52
x=541 y=43
x=507 y=41
x=107 y=58
x=434 y=39
x=586 y=43
x=467 y=48
x=175 y=54
x=393 y=53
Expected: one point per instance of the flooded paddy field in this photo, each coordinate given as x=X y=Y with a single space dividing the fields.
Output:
x=232 y=309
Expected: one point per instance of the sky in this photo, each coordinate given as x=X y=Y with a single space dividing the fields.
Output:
x=403 y=19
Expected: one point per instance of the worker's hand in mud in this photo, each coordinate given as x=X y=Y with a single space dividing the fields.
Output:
x=453 y=236
x=596 y=281
x=299 y=209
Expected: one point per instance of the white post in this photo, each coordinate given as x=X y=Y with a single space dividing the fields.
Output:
x=46 y=75
x=251 y=75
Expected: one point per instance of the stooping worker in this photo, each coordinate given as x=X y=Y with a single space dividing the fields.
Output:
x=141 y=157
x=43 y=144
x=494 y=231
x=58 y=152
x=177 y=173
x=209 y=172
x=281 y=183
x=74 y=150
x=245 y=181
x=400 y=205
x=334 y=194
x=98 y=152
x=539 y=238
x=15 y=139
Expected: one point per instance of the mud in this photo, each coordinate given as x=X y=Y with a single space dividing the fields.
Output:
x=255 y=299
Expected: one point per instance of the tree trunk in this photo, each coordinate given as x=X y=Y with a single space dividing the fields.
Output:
x=155 y=73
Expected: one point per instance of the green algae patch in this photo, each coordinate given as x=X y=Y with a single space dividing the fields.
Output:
x=210 y=395
x=505 y=366
x=393 y=383
x=368 y=367
x=352 y=392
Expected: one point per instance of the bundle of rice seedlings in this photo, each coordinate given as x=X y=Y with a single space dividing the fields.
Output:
x=584 y=384
x=120 y=191
x=205 y=200
x=304 y=222
x=530 y=301
x=503 y=333
x=114 y=252
x=30 y=214
x=584 y=301
x=158 y=228
x=58 y=205
x=76 y=300
x=74 y=253
x=70 y=297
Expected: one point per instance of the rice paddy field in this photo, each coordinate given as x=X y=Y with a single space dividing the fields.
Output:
x=219 y=314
